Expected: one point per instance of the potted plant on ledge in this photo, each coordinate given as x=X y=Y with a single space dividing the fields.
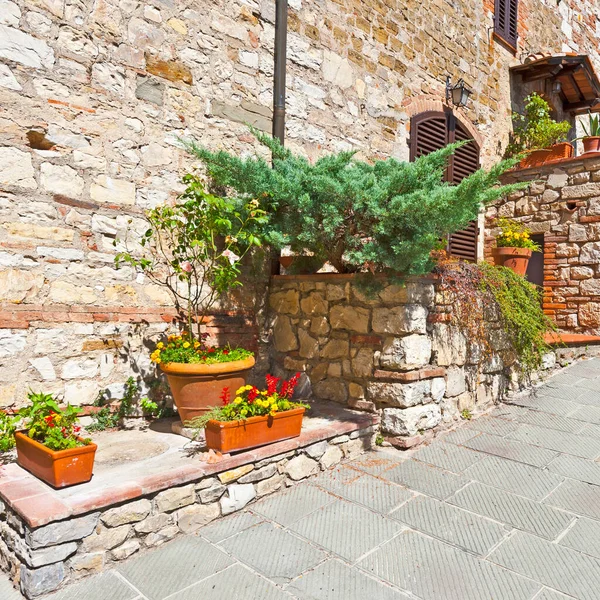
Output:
x=254 y=418
x=50 y=446
x=539 y=135
x=591 y=139
x=514 y=246
x=194 y=249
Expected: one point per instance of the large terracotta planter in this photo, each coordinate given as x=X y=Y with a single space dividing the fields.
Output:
x=229 y=436
x=591 y=144
x=197 y=388
x=515 y=259
x=537 y=158
x=58 y=468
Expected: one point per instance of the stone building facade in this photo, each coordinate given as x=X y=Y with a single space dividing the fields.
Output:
x=93 y=96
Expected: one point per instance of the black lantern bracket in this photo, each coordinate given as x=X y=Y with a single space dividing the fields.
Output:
x=457 y=94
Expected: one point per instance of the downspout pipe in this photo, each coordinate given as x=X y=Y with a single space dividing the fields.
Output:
x=281 y=11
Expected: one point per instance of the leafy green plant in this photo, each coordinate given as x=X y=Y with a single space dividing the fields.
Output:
x=514 y=234
x=194 y=248
x=466 y=414
x=388 y=215
x=249 y=402
x=54 y=427
x=593 y=126
x=184 y=349
x=536 y=129
x=379 y=439
x=8 y=426
x=476 y=291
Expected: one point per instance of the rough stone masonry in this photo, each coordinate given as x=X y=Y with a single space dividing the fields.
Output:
x=93 y=96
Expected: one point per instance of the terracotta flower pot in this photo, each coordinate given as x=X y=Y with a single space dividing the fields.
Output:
x=196 y=388
x=536 y=158
x=58 y=468
x=515 y=259
x=591 y=144
x=229 y=436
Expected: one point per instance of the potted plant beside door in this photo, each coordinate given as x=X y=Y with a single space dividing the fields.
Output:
x=194 y=249
x=591 y=139
x=538 y=135
x=514 y=246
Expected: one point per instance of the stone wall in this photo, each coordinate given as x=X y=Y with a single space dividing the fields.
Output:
x=94 y=94
x=392 y=351
x=562 y=202
x=41 y=559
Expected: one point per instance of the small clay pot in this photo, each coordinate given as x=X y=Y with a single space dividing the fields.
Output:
x=196 y=388
x=591 y=144
x=58 y=468
x=537 y=158
x=230 y=436
x=515 y=259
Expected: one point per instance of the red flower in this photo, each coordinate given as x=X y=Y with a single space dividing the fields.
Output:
x=272 y=383
x=211 y=350
x=252 y=395
x=225 y=396
x=49 y=420
x=288 y=387
x=226 y=352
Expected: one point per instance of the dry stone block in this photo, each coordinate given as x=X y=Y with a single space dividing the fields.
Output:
x=287 y=302
x=362 y=363
x=191 y=518
x=17 y=285
x=162 y=536
x=238 y=496
x=411 y=293
x=25 y=49
x=128 y=513
x=336 y=349
x=333 y=455
x=585 y=190
x=112 y=191
x=449 y=345
x=153 y=523
x=400 y=394
x=409 y=421
x=319 y=326
x=317 y=450
x=63 y=531
x=352 y=318
x=284 y=337
x=456 y=382
x=83 y=565
x=106 y=539
x=268 y=486
x=170 y=500
x=259 y=474
x=590 y=254
x=230 y=476
x=309 y=346
x=213 y=493
x=331 y=389
x=354 y=448
x=35 y=582
x=406 y=353
x=46 y=556
x=589 y=314
x=314 y=304
x=400 y=320
x=125 y=550
x=16 y=169
x=301 y=466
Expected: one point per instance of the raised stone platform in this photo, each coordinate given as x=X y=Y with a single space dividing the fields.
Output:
x=150 y=486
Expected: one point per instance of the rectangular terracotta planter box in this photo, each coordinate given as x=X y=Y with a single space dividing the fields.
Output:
x=230 y=436
x=59 y=468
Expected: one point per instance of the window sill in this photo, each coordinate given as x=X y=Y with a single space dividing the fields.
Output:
x=497 y=37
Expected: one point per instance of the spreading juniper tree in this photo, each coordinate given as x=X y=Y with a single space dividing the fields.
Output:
x=385 y=216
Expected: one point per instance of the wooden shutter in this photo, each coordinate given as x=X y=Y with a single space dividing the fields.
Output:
x=506 y=19
x=431 y=131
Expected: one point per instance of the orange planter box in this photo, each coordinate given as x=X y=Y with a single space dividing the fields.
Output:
x=230 y=436
x=59 y=468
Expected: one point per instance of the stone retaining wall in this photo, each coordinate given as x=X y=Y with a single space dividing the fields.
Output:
x=393 y=352
x=44 y=558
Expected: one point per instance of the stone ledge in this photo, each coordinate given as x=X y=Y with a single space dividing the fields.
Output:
x=571 y=339
x=408 y=376
x=38 y=504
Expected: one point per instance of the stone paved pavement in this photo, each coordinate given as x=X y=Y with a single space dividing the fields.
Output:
x=506 y=507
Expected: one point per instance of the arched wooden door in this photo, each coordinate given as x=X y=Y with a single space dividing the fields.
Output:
x=431 y=131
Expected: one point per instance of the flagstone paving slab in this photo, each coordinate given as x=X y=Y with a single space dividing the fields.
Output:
x=515 y=477
x=505 y=507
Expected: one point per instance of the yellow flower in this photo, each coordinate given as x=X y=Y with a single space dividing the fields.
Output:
x=186 y=344
x=264 y=393
x=239 y=390
x=238 y=400
x=158 y=361
x=160 y=345
x=196 y=344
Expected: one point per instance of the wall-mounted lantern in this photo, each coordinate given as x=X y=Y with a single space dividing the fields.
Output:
x=459 y=93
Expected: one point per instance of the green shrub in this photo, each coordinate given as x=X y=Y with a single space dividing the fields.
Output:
x=8 y=426
x=388 y=215
x=536 y=129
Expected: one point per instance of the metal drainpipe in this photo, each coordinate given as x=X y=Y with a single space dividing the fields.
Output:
x=281 y=10
x=279 y=72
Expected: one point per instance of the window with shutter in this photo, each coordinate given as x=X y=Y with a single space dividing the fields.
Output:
x=431 y=131
x=505 y=20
